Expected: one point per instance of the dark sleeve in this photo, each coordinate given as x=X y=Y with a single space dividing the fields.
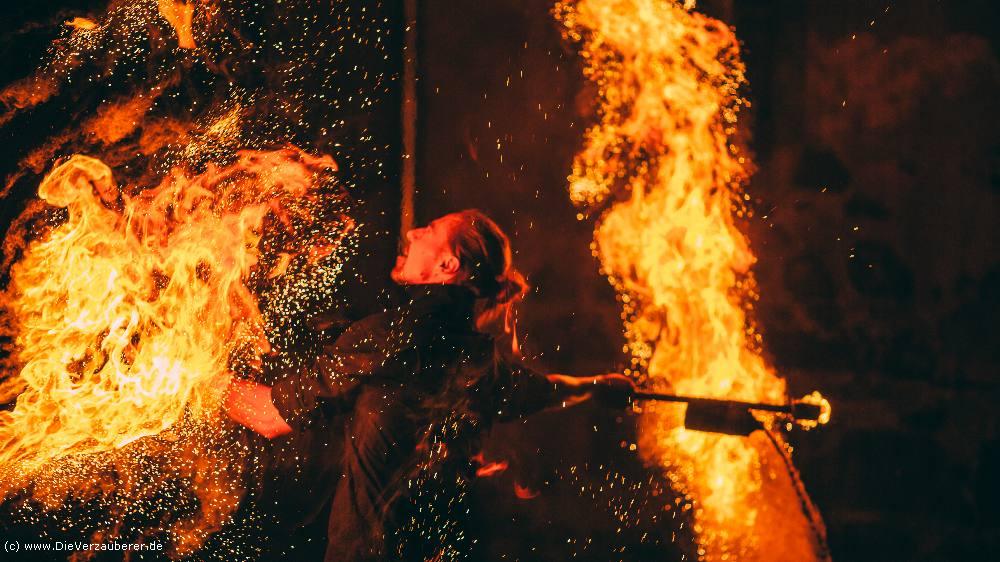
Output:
x=365 y=352
x=516 y=390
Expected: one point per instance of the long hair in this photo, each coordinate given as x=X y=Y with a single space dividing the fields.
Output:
x=483 y=250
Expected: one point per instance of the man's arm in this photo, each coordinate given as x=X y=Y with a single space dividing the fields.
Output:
x=358 y=355
x=612 y=389
x=518 y=390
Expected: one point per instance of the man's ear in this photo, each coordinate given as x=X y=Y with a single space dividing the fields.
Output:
x=450 y=265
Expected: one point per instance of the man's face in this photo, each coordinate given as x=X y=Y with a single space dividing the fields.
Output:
x=427 y=256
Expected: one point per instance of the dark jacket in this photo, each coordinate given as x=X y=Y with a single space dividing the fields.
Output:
x=413 y=387
x=425 y=347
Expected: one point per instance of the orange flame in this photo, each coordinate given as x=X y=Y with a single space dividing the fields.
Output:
x=179 y=15
x=83 y=24
x=668 y=82
x=127 y=313
x=132 y=292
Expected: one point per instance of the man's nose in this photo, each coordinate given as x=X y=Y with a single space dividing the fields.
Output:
x=410 y=234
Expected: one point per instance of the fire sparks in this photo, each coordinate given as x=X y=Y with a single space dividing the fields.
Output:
x=664 y=171
x=129 y=314
x=127 y=318
x=182 y=246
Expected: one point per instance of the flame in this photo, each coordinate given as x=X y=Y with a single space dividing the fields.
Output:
x=116 y=121
x=179 y=15
x=82 y=24
x=142 y=272
x=127 y=313
x=662 y=165
x=825 y=410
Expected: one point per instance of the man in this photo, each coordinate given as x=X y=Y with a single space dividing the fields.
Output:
x=428 y=364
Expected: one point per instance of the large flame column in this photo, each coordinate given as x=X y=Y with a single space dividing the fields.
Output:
x=665 y=173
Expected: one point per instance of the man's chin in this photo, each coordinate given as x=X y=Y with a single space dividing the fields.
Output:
x=396 y=274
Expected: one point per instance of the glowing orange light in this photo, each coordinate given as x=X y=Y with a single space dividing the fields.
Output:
x=179 y=14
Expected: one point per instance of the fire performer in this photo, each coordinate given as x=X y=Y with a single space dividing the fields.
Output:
x=431 y=360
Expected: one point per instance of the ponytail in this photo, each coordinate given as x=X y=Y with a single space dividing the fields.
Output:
x=487 y=265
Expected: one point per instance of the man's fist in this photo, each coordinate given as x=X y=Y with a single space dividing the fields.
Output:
x=614 y=390
x=250 y=404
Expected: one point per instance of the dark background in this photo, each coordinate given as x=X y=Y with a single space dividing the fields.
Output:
x=878 y=153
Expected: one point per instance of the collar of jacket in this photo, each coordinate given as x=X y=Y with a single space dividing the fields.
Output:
x=456 y=301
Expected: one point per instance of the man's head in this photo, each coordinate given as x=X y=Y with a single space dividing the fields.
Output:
x=428 y=255
x=465 y=248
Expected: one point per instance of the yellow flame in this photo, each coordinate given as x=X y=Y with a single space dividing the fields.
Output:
x=83 y=24
x=179 y=15
x=825 y=409
x=127 y=312
x=663 y=165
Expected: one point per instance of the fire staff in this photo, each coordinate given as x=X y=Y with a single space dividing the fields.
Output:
x=434 y=357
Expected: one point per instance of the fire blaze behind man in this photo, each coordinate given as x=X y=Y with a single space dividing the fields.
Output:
x=423 y=376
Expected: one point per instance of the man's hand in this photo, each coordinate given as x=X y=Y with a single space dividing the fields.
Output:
x=614 y=390
x=249 y=404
